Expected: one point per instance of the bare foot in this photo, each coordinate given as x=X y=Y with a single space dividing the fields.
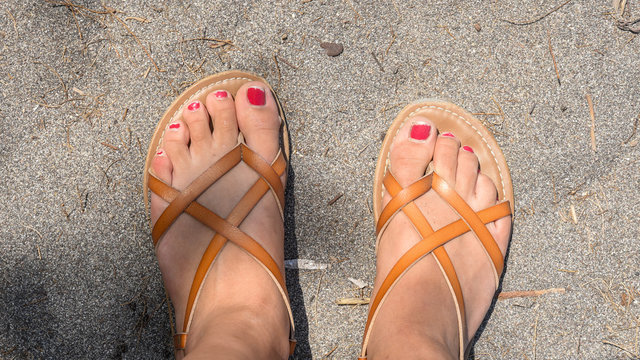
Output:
x=230 y=318
x=418 y=319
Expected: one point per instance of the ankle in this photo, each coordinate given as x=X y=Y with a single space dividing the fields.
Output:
x=238 y=332
x=411 y=346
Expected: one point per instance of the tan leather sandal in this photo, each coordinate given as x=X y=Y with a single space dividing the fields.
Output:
x=446 y=117
x=225 y=229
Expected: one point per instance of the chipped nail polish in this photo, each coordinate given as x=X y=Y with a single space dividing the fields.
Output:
x=160 y=153
x=221 y=94
x=448 y=134
x=194 y=106
x=467 y=148
x=256 y=96
x=174 y=126
x=420 y=131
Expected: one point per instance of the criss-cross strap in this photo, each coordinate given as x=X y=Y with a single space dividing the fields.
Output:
x=225 y=229
x=432 y=242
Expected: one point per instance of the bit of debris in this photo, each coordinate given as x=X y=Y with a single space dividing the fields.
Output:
x=304 y=264
x=593 y=123
x=572 y=210
x=332 y=49
x=477 y=27
x=632 y=26
x=535 y=20
x=529 y=293
x=359 y=283
x=336 y=198
x=353 y=301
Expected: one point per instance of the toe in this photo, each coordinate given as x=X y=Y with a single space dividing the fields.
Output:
x=162 y=168
x=412 y=150
x=258 y=119
x=197 y=120
x=445 y=157
x=175 y=143
x=485 y=193
x=466 y=172
x=222 y=110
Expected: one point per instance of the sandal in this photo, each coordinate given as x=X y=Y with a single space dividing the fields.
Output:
x=446 y=117
x=225 y=229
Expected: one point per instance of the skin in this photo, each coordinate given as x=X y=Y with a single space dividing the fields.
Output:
x=418 y=317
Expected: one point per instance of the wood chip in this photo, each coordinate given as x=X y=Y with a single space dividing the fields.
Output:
x=332 y=49
x=477 y=27
x=529 y=293
x=352 y=301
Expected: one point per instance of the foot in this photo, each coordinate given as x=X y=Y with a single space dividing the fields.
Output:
x=419 y=315
x=229 y=318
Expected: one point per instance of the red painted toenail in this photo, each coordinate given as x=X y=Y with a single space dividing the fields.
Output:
x=174 y=126
x=194 y=106
x=467 y=148
x=420 y=131
x=221 y=94
x=256 y=96
x=160 y=153
x=448 y=134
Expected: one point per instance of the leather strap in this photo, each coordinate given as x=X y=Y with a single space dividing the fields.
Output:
x=403 y=199
x=442 y=258
x=226 y=229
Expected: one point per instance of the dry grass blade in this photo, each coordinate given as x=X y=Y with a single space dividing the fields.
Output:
x=535 y=20
x=553 y=57
x=529 y=293
x=593 y=123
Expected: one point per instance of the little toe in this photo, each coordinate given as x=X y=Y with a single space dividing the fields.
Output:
x=258 y=119
x=222 y=110
x=162 y=169
x=175 y=143
x=466 y=172
x=197 y=120
x=445 y=157
x=412 y=150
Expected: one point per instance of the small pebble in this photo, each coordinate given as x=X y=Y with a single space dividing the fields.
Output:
x=332 y=49
x=477 y=27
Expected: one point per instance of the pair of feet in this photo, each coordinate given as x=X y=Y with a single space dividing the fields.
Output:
x=419 y=316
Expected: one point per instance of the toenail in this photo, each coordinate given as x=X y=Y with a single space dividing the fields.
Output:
x=174 y=126
x=448 y=134
x=221 y=94
x=467 y=148
x=194 y=106
x=160 y=153
x=420 y=131
x=256 y=96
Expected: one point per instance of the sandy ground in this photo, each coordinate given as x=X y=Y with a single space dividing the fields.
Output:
x=82 y=88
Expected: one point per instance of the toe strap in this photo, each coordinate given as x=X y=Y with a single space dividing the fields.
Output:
x=432 y=242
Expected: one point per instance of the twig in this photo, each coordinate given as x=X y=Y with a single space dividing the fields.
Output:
x=333 y=201
x=286 y=62
x=593 y=123
x=535 y=20
x=109 y=145
x=136 y=39
x=15 y=26
x=529 y=293
x=555 y=65
x=633 y=133
x=377 y=61
x=635 y=356
x=393 y=40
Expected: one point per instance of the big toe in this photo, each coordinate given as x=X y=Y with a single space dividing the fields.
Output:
x=258 y=119
x=412 y=150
